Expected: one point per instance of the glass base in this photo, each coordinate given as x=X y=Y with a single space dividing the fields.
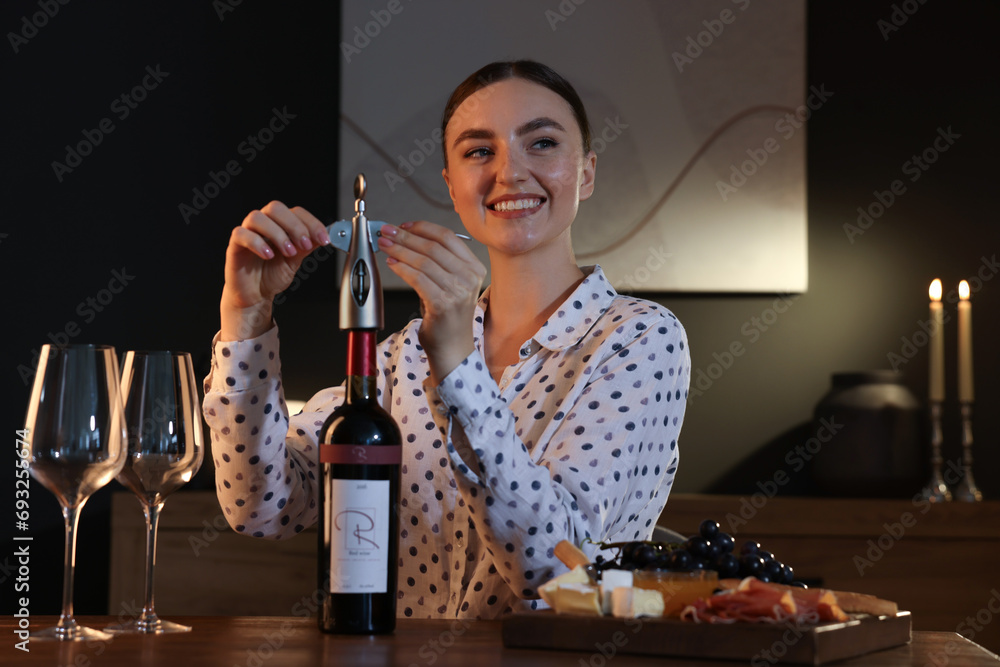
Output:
x=69 y=631
x=152 y=625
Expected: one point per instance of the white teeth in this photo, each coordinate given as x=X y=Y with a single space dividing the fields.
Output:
x=516 y=204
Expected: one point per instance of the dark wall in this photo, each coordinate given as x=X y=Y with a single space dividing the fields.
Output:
x=65 y=235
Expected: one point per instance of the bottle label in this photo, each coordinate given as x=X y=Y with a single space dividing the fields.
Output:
x=359 y=535
x=377 y=455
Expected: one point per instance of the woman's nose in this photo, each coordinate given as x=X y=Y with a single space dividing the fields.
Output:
x=510 y=167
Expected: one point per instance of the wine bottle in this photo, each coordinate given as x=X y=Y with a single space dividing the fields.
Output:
x=360 y=451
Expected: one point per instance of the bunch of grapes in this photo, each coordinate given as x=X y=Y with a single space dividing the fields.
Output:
x=710 y=549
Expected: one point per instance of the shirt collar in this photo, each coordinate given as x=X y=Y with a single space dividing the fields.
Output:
x=572 y=320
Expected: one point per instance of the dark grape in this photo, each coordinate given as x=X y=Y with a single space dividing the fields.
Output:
x=644 y=555
x=787 y=574
x=798 y=584
x=763 y=577
x=714 y=551
x=660 y=562
x=727 y=565
x=751 y=566
x=697 y=546
x=772 y=569
x=725 y=542
x=708 y=529
x=750 y=548
x=698 y=565
x=680 y=560
x=766 y=555
x=628 y=551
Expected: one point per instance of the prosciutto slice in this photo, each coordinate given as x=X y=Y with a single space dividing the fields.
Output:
x=759 y=602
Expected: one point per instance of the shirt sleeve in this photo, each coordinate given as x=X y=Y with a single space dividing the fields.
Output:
x=604 y=473
x=265 y=460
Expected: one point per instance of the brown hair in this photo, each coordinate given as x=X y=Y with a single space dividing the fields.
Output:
x=523 y=69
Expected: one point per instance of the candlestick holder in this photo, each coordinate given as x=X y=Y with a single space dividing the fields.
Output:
x=966 y=490
x=936 y=490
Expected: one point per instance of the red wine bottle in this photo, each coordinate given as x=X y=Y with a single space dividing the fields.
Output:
x=360 y=452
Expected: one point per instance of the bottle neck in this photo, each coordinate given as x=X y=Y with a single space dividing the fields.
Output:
x=361 y=367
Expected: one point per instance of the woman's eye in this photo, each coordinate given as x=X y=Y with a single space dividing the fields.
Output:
x=545 y=143
x=478 y=152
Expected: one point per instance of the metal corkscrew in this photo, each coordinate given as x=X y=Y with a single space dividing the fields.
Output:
x=360 y=286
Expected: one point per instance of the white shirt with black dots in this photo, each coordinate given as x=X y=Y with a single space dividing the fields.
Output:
x=578 y=441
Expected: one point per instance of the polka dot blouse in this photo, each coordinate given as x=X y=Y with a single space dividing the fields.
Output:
x=578 y=441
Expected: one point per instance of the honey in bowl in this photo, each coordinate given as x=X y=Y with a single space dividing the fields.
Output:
x=679 y=589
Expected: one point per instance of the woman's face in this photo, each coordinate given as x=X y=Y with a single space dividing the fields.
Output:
x=516 y=169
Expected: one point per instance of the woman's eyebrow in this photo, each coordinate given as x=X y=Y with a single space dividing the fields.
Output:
x=539 y=123
x=526 y=128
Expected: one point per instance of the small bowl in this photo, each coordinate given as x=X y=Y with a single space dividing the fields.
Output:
x=679 y=589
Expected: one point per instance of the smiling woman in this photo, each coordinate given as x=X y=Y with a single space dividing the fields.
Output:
x=546 y=408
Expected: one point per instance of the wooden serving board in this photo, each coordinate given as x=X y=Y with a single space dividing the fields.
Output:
x=759 y=643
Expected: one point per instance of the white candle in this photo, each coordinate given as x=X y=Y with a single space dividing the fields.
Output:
x=965 y=383
x=935 y=381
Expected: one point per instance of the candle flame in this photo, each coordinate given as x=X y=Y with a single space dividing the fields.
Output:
x=936 y=289
x=963 y=290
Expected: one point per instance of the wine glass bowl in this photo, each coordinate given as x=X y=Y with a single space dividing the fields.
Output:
x=165 y=450
x=75 y=436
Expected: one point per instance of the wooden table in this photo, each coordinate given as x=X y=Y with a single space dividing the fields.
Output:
x=256 y=641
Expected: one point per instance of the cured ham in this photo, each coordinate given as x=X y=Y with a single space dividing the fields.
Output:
x=756 y=601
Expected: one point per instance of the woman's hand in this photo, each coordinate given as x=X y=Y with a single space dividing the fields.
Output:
x=263 y=255
x=447 y=277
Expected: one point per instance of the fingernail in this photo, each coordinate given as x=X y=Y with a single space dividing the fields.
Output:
x=268 y=252
x=305 y=243
x=383 y=242
x=389 y=230
x=323 y=238
x=406 y=225
x=289 y=249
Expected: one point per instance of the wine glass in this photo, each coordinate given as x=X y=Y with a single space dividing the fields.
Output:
x=165 y=450
x=75 y=432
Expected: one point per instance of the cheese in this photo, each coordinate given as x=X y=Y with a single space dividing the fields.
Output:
x=574 y=598
x=636 y=602
x=610 y=580
x=575 y=576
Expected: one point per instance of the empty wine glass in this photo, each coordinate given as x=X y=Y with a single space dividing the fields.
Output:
x=165 y=450
x=75 y=432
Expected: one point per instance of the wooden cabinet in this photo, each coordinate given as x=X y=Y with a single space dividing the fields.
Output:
x=941 y=562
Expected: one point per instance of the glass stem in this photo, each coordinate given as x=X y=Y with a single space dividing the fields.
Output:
x=71 y=517
x=152 y=513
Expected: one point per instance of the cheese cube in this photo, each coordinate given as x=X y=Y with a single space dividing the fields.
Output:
x=610 y=580
x=636 y=602
x=575 y=599
x=575 y=576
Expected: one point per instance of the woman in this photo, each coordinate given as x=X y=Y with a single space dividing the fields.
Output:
x=546 y=409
